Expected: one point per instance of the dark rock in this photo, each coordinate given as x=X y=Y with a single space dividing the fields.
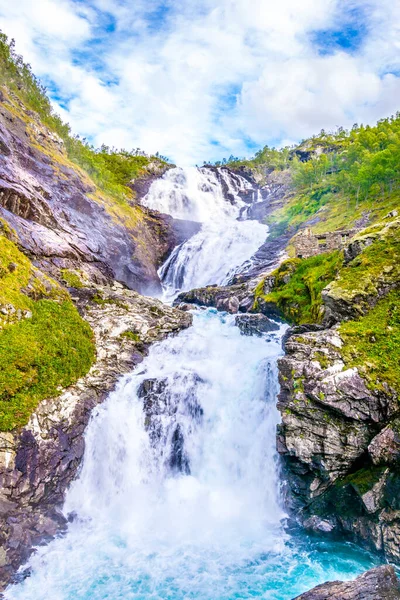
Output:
x=164 y=405
x=255 y=324
x=224 y=298
x=377 y=584
x=339 y=459
x=151 y=172
x=178 y=459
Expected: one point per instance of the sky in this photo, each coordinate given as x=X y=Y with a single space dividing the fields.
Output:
x=199 y=80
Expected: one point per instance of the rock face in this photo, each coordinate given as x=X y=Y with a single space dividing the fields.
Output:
x=63 y=220
x=340 y=444
x=233 y=298
x=38 y=462
x=164 y=408
x=377 y=584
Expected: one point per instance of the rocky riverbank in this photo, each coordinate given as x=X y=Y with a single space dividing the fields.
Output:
x=38 y=461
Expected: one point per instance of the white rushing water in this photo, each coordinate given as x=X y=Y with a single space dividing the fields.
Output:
x=224 y=242
x=178 y=498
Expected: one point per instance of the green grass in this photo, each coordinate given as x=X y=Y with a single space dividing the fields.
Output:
x=40 y=354
x=131 y=335
x=372 y=343
x=363 y=480
x=377 y=265
x=298 y=286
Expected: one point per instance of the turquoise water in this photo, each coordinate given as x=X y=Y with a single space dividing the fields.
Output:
x=145 y=530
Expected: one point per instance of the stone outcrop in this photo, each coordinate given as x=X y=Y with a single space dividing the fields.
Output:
x=255 y=324
x=152 y=171
x=349 y=297
x=233 y=299
x=340 y=444
x=377 y=584
x=163 y=407
x=38 y=462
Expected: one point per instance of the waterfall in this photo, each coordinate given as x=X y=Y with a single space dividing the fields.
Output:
x=178 y=497
x=219 y=200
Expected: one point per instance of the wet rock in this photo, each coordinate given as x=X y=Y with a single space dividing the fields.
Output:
x=169 y=406
x=256 y=324
x=377 y=584
x=224 y=298
x=319 y=525
x=179 y=460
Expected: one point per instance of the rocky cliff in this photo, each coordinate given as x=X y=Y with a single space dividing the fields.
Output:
x=64 y=220
x=339 y=398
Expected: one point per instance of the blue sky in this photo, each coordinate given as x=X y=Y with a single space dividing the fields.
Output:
x=202 y=79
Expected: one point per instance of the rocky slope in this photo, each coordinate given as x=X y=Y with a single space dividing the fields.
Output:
x=339 y=401
x=38 y=461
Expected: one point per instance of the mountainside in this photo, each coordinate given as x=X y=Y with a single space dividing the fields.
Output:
x=77 y=247
x=74 y=207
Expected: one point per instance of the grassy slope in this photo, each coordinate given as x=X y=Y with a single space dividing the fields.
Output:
x=298 y=286
x=372 y=342
x=337 y=179
x=44 y=343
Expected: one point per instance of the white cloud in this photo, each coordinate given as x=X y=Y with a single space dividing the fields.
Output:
x=197 y=79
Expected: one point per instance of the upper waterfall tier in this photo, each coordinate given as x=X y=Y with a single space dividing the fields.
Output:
x=201 y=195
x=219 y=200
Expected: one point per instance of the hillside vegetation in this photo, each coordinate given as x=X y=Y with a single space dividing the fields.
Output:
x=365 y=288
x=109 y=168
x=337 y=179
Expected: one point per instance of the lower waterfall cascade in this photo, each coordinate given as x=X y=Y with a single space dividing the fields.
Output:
x=179 y=496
